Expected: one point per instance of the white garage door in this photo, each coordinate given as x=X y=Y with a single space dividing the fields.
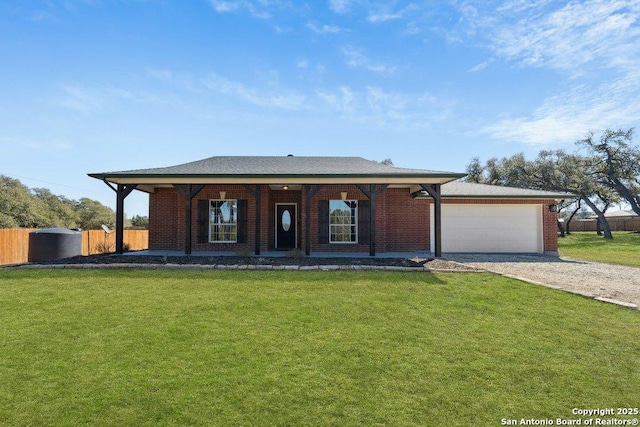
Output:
x=490 y=228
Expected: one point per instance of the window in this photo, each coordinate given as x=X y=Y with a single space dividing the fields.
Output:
x=223 y=221
x=343 y=220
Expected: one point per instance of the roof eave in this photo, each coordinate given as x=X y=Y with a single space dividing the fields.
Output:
x=436 y=178
x=528 y=196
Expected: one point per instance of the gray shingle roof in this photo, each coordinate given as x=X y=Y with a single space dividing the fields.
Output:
x=468 y=189
x=277 y=166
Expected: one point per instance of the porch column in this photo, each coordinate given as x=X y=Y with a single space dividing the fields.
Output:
x=309 y=192
x=122 y=191
x=372 y=193
x=188 y=192
x=257 y=196
x=434 y=192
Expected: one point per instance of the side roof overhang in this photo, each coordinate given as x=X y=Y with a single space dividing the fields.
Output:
x=468 y=190
x=287 y=170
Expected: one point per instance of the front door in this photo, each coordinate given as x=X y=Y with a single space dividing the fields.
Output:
x=286 y=226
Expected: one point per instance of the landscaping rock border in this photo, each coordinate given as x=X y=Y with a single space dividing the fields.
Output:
x=252 y=263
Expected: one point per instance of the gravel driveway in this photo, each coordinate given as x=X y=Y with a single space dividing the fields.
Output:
x=612 y=283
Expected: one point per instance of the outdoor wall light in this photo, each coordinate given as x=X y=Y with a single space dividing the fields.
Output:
x=553 y=208
x=285 y=187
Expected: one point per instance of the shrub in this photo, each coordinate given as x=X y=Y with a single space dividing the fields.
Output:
x=295 y=253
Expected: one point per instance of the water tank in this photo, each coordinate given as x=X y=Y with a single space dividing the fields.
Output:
x=50 y=244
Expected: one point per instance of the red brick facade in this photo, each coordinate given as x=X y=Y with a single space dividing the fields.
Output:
x=402 y=222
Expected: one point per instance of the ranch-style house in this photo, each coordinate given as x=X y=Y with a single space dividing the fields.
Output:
x=332 y=205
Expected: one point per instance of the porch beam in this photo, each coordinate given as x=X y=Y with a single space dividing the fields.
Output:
x=434 y=191
x=122 y=191
x=188 y=192
x=309 y=192
x=372 y=193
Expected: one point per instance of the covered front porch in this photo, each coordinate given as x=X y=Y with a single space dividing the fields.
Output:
x=270 y=219
x=317 y=205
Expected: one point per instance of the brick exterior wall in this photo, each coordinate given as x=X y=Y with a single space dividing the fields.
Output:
x=164 y=207
x=408 y=221
x=402 y=222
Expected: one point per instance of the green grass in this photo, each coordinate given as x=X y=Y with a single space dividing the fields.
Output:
x=136 y=348
x=623 y=249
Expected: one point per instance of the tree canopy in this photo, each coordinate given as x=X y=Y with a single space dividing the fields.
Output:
x=615 y=164
x=607 y=173
x=39 y=208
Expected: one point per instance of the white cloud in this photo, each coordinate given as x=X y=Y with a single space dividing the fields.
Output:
x=377 y=107
x=597 y=33
x=226 y=6
x=355 y=58
x=161 y=74
x=324 y=29
x=372 y=106
x=340 y=6
x=88 y=100
x=258 y=9
x=82 y=100
x=375 y=18
x=481 y=66
x=279 y=98
x=48 y=146
x=341 y=101
x=382 y=12
x=515 y=6
x=567 y=117
x=42 y=16
x=593 y=44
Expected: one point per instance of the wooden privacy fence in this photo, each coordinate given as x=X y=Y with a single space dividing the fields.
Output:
x=616 y=224
x=14 y=243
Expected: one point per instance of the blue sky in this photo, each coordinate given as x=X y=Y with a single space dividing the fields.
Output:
x=105 y=85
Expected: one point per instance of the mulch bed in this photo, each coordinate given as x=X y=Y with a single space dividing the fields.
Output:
x=106 y=259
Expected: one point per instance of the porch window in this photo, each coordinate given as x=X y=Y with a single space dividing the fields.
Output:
x=343 y=221
x=223 y=221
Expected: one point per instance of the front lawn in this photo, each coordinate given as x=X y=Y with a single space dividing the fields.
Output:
x=623 y=249
x=111 y=347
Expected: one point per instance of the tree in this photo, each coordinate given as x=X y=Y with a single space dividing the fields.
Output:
x=92 y=214
x=61 y=211
x=569 y=217
x=39 y=208
x=18 y=206
x=615 y=164
x=550 y=171
x=387 y=162
x=475 y=171
x=508 y=172
x=559 y=171
x=140 y=221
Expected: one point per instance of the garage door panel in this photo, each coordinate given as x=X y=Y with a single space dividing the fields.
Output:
x=491 y=228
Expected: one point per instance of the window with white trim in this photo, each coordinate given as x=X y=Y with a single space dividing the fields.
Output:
x=343 y=221
x=223 y=221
